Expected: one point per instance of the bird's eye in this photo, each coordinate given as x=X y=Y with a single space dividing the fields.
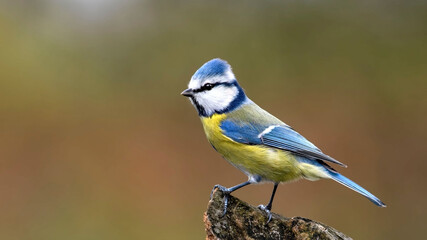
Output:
x=208 y=86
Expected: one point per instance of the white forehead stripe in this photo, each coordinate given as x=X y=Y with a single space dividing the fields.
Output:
x=267 y=130
x=229 y=74
x=196 y=83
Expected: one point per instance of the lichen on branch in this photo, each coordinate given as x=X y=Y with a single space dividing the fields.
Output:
x=243 y=221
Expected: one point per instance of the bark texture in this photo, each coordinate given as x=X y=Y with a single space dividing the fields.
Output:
x=244 y=221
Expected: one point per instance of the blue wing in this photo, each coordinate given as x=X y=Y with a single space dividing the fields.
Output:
x=242 y=133
x=277 y=136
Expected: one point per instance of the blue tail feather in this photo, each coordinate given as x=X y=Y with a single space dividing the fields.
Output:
x=354 y=186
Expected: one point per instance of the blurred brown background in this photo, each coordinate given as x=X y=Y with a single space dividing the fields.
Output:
x=97 y=143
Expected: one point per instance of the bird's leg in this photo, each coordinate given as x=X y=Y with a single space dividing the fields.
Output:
x=267 y=208
x=227 y=192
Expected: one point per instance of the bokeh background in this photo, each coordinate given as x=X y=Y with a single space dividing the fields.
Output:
x=97 y=143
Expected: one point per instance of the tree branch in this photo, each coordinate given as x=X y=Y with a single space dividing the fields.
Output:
x=244 y=221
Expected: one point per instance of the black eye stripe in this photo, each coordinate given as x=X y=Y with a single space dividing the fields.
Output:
x=206 y=87
x=209 y=86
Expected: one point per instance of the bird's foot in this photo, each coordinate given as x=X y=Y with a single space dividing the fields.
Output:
x=267 y=210
x=226 y=192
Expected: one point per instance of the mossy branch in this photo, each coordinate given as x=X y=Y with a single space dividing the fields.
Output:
x=244 y=221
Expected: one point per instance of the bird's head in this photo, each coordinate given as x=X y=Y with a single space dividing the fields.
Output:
x=214 y=89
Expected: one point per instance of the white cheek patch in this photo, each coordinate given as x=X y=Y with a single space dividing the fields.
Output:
x=217 y=99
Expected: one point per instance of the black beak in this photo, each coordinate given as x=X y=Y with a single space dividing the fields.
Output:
x=187 y=92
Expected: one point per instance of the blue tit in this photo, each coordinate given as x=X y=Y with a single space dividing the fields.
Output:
x=254 y=141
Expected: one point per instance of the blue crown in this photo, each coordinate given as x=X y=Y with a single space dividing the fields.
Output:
x=212 y=68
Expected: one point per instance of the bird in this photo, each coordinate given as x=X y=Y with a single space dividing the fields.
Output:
x=253 y=140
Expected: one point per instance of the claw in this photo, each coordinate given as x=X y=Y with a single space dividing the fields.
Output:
x=222 y=188
x=266 y=209
x=225 y=204
x=226 y=192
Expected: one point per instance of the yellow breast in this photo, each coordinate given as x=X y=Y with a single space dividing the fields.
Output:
x=268 y=163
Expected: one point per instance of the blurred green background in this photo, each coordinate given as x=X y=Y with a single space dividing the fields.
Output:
x=97 y=143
